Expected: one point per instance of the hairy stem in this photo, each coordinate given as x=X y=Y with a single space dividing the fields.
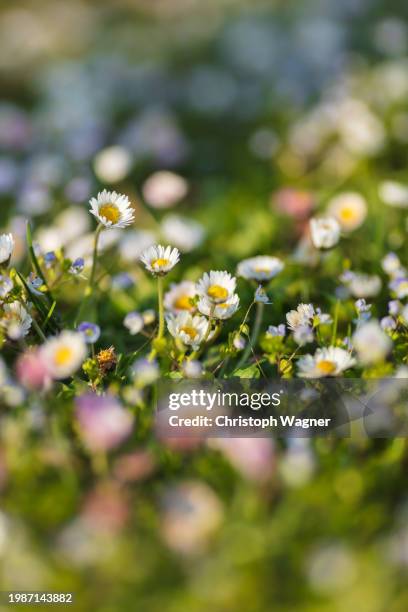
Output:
x=161 y=306
x=94 y=260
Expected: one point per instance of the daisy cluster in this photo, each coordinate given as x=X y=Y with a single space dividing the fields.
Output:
x=194 y=312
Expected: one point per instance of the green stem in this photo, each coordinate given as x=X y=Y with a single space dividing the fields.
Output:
x=245 y=317
x=195 y=354
x=95 y=258
x=99 y=462
x=335 y=323
x=161 y=306
x=160 y=302
x=254 y=336
x=210 y=320
x=38 y=329
x=91 y=284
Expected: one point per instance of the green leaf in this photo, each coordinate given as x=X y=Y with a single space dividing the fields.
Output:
x=35 y=263
x=251 y=371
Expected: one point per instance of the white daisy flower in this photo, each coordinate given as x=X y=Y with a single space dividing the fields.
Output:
x=112 y=164
x=300 y=317
x=216 y=287
x=190 y=329
x=350 y=210
x=391 y=264
x=394 y=194
x=185 y=233
x=371 y=343
x=261 y=268
x=179 y=297
x=159 y=259
x=6 y=248
x=134 y=322
x=164 y=189
x=331 y=361
x=363 y=285
x=112 y=209
x=64 y=354
x=16 y=320
x=224 y=310
x=325 y=232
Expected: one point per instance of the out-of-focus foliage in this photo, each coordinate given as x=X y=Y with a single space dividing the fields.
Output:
x=260 y=114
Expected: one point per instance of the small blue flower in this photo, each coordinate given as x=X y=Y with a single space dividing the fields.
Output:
x=394 y=307
x=90 y=331
x=362 y=306
x=400 y=287
x=122 y=281
x=277 y=330
x=347 y=343
x=35 y=283
x=388 y=323
x=49 y=259
x=77 y=266
x=261 y=296
x=6 y=285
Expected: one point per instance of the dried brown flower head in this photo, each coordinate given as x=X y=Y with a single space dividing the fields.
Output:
x=107 y=359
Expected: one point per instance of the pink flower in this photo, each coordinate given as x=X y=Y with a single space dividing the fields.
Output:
x=106 y=508
x=192 y=513
x=103 y=422
x=134 y=466
x=32 y=371
x=253 y=458
x=293 y=202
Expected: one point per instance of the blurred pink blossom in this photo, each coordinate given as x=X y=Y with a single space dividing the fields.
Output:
x=32 y=371
x=192 y=513
x=106 y=508
x=293 y=202
x=103 y=422
x=134 y=466
x=253 y=458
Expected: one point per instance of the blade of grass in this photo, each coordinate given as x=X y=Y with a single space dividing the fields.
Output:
x=35 y=263
x=38 y=304
x=335 y=322
x=38 y=329
x=46 y=316
x=50 y=312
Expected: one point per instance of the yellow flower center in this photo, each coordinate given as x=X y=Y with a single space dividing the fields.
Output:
x=160 y=262
x=326 y=367
x=217 y=292
x=183 y=303
x=347 y=213
x=62 y=355
x=110 y=212
x=262 y=270
x=190 y=331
